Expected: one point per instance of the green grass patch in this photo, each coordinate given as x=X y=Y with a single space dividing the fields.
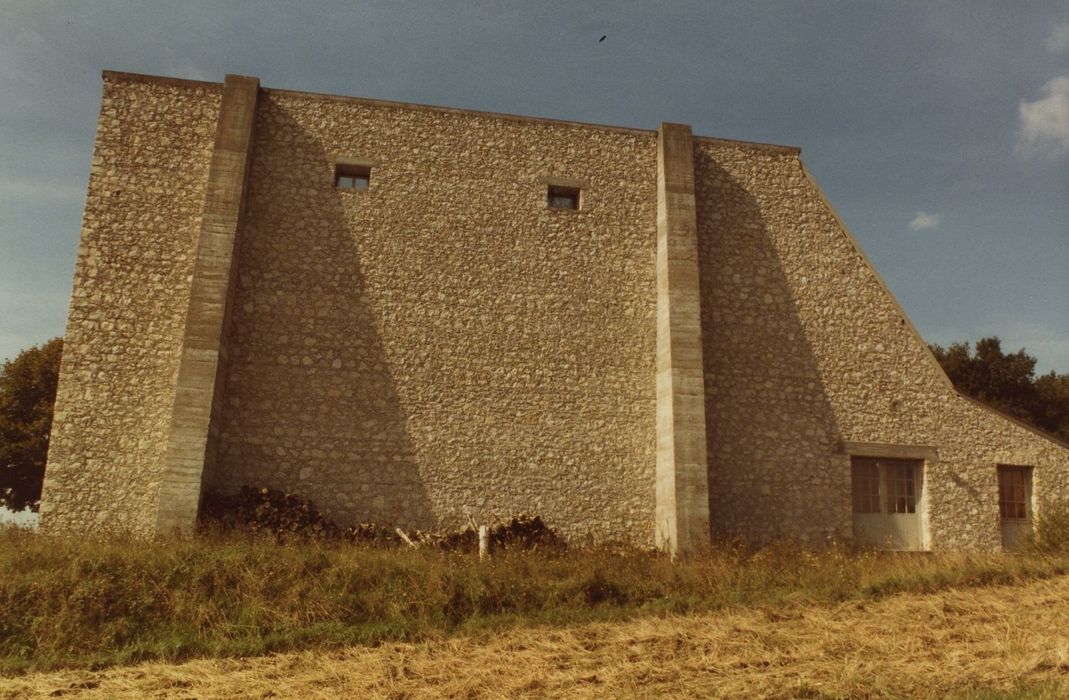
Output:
x=1027 y=691
x=67 y=603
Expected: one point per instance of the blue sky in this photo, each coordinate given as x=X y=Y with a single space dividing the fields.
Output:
x=939 y=130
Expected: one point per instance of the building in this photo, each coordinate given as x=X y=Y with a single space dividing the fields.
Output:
x=411 y=314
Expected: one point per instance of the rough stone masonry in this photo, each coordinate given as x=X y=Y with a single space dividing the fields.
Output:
x=686 y=345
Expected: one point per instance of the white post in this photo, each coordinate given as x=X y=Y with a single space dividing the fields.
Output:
x=484 y=542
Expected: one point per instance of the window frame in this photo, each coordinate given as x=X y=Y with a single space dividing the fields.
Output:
x=895 y=493
x=900 y=484
x=1022 y=496
x=865 y=486
x=891 y=531
x=574 y=190
x=556 y=193
x=354 y=172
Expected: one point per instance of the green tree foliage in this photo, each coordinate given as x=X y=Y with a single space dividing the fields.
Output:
x=27 y=395
x=1053 y=392
x=1008 y=382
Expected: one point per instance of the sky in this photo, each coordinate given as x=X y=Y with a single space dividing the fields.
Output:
x=938 y=130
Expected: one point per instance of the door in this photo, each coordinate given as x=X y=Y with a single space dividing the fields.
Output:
x=886 y=496
x=1015 y=505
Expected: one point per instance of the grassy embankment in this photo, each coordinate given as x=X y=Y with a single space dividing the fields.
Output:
x=65 y=603
x=979 y=643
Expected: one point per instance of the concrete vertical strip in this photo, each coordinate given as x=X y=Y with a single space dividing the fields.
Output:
x=201 y=370
x=682 y=507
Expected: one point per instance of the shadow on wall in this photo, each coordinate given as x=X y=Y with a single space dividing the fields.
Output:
x=311 y=406
x=774 y=471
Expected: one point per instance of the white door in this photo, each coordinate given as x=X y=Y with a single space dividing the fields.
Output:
x=886 y=495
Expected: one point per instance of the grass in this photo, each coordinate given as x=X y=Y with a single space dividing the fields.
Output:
x=67 y=603
x=978 y=643
x=1024 y=691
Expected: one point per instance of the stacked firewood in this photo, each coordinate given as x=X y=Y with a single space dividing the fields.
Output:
x=287 y=517
x=526 y=532
x=266 y=512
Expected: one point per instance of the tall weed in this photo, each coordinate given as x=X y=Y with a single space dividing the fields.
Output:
x=1052 y=529
x=79 y=603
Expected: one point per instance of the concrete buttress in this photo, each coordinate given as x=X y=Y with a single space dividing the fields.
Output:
x=682 y=501
x=193 y=435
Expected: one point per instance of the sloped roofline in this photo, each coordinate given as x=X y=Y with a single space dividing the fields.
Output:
x=1013 y=419
x=913 y=329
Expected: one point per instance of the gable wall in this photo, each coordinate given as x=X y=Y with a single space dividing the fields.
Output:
x=805 y=349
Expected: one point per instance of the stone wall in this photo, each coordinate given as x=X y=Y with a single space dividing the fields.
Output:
x=806 y=350
x=128 y=306
x=443 y=343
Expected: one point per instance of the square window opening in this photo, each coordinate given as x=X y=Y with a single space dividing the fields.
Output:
x=561 y=197
x=352 y=177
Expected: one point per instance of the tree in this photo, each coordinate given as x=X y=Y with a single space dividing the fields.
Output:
x=27 y=396
x=1008 y=382
x=1053 y=392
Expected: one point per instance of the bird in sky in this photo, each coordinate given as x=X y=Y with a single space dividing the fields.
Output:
x=602 y=38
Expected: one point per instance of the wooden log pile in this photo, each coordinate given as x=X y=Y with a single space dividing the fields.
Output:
x=286 y=517
x=266 y=512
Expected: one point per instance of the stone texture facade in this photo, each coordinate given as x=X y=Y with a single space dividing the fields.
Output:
x=443 y=343
x=697 y=351
x=808 y=356
x=128 y=309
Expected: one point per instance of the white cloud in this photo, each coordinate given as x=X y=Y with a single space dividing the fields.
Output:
x=924 y=221
x=1058 y=40
x=1044 y=124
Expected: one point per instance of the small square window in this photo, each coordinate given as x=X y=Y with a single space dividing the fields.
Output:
x=352 y=177
x=560 y=197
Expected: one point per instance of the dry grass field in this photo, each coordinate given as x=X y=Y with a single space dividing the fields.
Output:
x=988 y=642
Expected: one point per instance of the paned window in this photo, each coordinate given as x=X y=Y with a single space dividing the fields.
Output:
x=887 y=494
x=866 y=485
x=884 y=485
x=352 y=177
x=901 y=487
x=1014 y=485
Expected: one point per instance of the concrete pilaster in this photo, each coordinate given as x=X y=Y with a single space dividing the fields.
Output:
x=191 y=442
x=682 y=506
